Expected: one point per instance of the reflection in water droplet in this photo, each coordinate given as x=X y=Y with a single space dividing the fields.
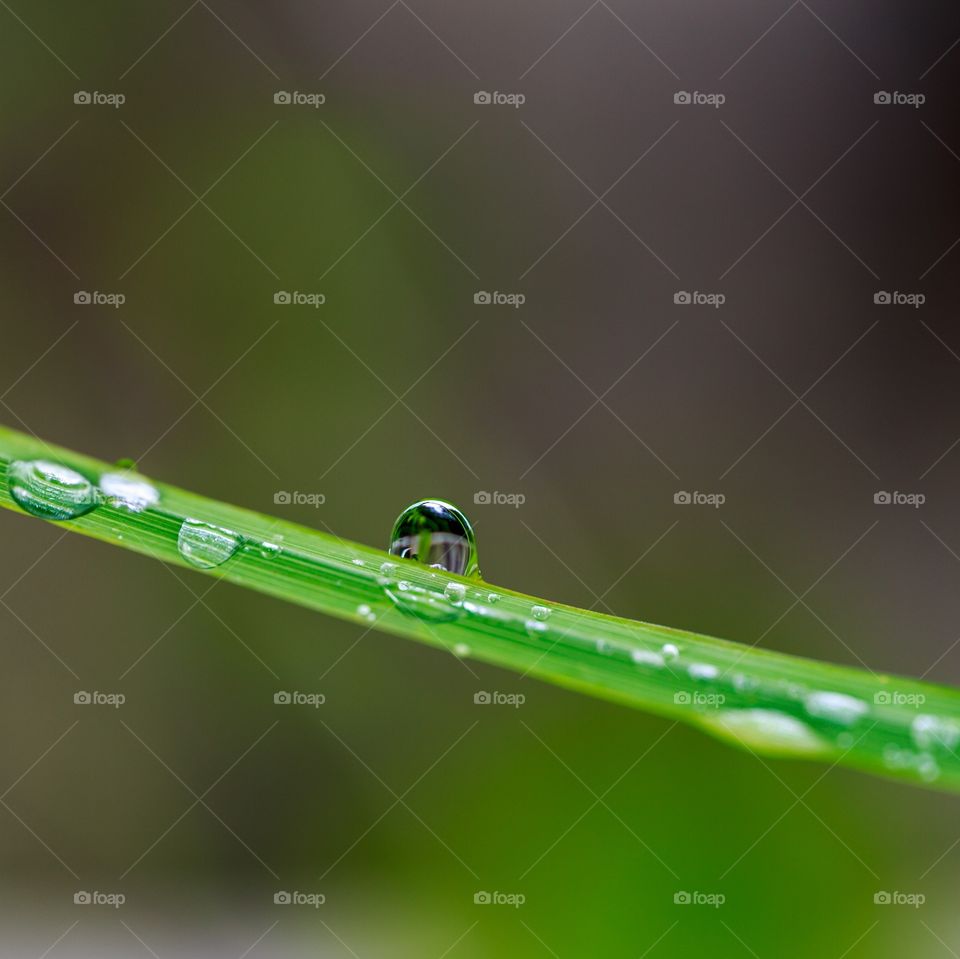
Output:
x=128 y=491
x=50 y=490
x=424 y=602
x=836 y=707
x=766 y=730
x=436 y=534
x=206 y=546
x=540 y=612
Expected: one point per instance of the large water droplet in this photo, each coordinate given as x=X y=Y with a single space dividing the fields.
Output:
x=50 y=490
x=204 y=545
x=766 y=730
x=837 y=707
x=436 y=534
x=128 y=491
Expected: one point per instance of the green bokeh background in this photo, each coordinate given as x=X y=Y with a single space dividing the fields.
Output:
x=597 y=815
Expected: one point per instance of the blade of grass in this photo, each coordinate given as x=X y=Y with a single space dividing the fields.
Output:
x=769 y=703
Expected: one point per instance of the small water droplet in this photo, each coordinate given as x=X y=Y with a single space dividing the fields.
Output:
x=128 y=491
x=493 y=597
x=206 y=546
x=461 y=650
x=540 y=612
x=837 y=707
x=646 y=657
x=669 y=651
x=50 y=490
x=436 y=534
x=424 y=602
x=365 y=612
x=704 y=671
x=535 y=627
x=935 y=732
x=357 y=562
x=270 y=550
x=455 y=592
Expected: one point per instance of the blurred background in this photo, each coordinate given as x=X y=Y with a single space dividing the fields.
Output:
x=592 y=255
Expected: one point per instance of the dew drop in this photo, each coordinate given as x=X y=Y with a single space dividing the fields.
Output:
x=128 y=491
x=436 y=534
x=461 y=650
x=50 y=490
x=493 y=598
x=836 y=707
x=703 y=671
x=535 y=627
x=206 y=546
x=365 y=612
x=455 y=592
x=540 y=612
x=766 y=730
x=669 y=651
x=935 y=732
x=646 y=657
x=424 y=602
x=357 y=562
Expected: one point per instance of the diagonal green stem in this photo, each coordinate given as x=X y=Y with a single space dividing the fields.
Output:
x=770 y=703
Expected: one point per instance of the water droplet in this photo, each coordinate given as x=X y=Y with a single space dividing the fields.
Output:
x=365 y=612
x=461 y=650
x=436 y=534
x=357 y=562
x=128 y=491
x=540 y=612
x=424 y=602
x=766 y=730
x=670 y=651
x=836 y=707
x=935 y=732
x=270 y=550
x=455 y=592
x=206 y=546
x=493 y=597
x=50 y=490
x=535 y=627
x=703 y=671
x=646 y=657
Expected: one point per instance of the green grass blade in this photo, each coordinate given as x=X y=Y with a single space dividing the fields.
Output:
x=769 y=703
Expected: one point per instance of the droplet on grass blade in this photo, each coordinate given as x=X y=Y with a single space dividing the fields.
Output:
x=436 y=534
x=204 y=545
x=50 y=490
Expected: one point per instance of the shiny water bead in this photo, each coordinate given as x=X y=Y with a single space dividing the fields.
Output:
x=50 y=490
x=436 y=534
